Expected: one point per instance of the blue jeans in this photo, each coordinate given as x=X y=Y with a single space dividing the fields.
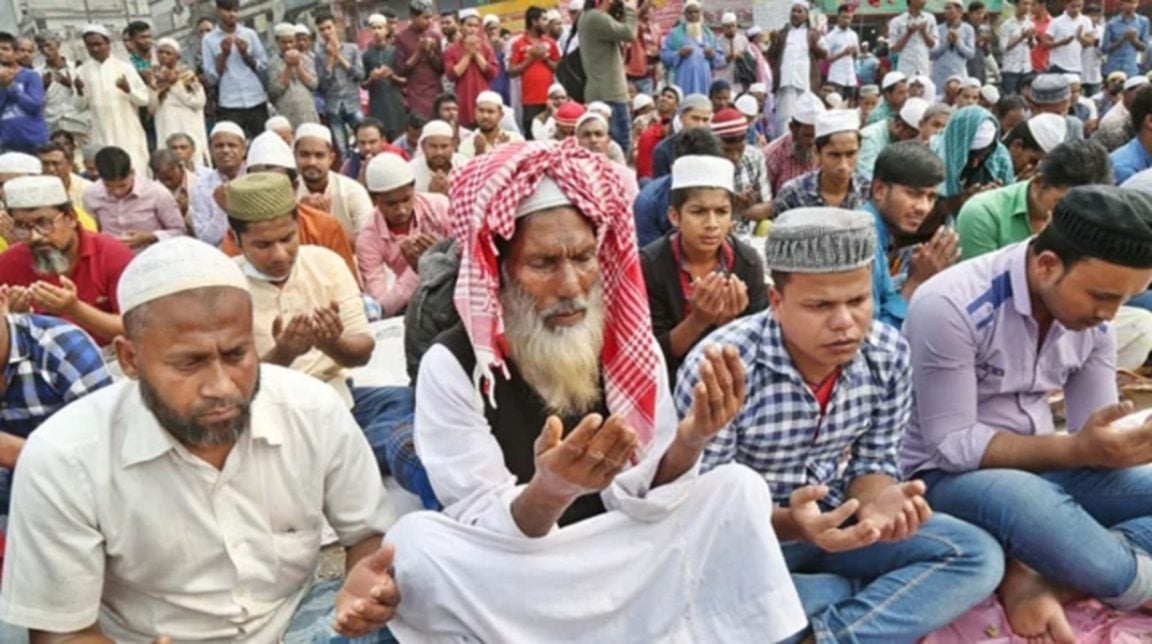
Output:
x=621 y=126
x=1010 y=82
x=1086 y=529
x=895 y=592
x=385 y=415
x=342 y=119
x=312 y=622
x=643 y=85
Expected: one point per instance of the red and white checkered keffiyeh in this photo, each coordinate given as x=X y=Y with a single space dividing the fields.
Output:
x=484 y=197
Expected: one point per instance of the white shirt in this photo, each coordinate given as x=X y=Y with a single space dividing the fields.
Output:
x=122 y=523
x=915 y=59
x=795 y=63
x=1068 y=57
x=1092 y=60
x=843 y=71
x=467 y=147
x=424 y=173
x=1018 y=59
x=351 y=204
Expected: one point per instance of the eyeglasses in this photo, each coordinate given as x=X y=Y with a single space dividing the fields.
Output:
x=42 y=226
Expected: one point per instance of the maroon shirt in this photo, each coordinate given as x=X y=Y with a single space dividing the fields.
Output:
x=424 y=77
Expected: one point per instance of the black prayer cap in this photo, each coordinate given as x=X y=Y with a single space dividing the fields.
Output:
x=1107 y=223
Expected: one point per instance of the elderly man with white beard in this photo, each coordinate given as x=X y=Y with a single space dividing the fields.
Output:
x=548 y=432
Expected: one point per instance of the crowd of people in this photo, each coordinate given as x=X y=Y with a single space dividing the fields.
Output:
x=656 y=288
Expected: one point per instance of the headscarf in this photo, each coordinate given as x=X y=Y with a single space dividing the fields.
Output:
x=954 y=143
x=484 y=197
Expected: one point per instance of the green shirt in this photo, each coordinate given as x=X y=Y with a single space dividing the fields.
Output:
x=992 y=220
x=601 y=36
x=873 y=140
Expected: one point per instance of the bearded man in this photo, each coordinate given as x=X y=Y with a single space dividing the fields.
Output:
x=489 y=111
x=573 y=424
x=437 y=158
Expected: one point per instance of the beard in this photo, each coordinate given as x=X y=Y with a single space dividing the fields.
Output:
x=694 y=29
x=191 y=432
x=49 y=260
x=561 y=364
x=801 y=154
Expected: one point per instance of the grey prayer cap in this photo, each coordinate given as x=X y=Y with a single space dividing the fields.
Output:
x=821 y=240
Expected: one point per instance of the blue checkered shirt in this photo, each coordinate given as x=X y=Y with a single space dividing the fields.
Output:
x=804 y=192
x=50 y=364
x=780 y=432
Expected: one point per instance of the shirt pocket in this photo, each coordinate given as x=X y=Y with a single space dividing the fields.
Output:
x=297 y=555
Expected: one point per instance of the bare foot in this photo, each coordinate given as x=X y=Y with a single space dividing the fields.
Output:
x=1033 y=606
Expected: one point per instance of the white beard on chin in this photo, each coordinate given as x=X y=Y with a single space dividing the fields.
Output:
x=561 y=364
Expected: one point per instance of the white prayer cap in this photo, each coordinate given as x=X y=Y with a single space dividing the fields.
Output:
x=169 y=43
x=285 y=30
x=576 y=5
x=891 y=79
x=278 y=122
x=1073 y=79
x=970 y=82
x=758 y=88
x=808 y=107
x=491 y=98
x=175 y=266
x=270 y=149
x=551 y=15
x=99 y=30
x=547 y=195
x=802 y=4
x=590 y=116
x=693 y=102
x=754 y=31
x=990 y=93
x=315 y=131
x=388 y=171
x=835 y=121
x=436 y=128
x=601 y=108
x=227 y=127
x=1139 y=80
x=642 y=101
x=491 y=19
x=468 y=13
x=35 y=192
x=1049 y=130
x=697 y=171
x=677 y=124
x=303 y=30
x=913 y=112
x=19 y=163
x=954 y=77
x=557 y=88
x=834 y=100
x=691 y=3
x=748 y=105
x=728 y=18
x=377 y=20
x=985 y=135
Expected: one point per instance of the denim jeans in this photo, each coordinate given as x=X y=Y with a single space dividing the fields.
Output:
x=312 y=622
x=643 y=85
x=621 y=126
x=895 y=592
x=385 y=415
x=1010 y=82
x=342 y=119
x=1086 y=529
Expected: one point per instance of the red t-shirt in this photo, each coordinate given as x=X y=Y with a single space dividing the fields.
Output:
x=823 y=391
x=646 y=147
x=537 y=77
x=96 y=274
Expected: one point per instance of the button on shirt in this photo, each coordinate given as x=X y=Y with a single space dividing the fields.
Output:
x=341 y=87
x=780 y=431
x=1126 y=58
x=795 y=62
x=1018 y=59
x=151 y=539
x=977 y=371
x=915 y=59
x=240 y=87
x=1068 y=57
x=843 y=71
x=1129 y=159
x=148 y=208
x=387 y=276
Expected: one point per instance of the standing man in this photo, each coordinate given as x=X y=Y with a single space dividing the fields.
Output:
x=385 y=85
x=1066 y=39
x=234 y=62
x=419 y=59
x=138 y=41
x=1092 y=58
x=1125 y=40
x=689 y=52
x=955 y=45
x=534 y=59
x=1017 y=38
x=794 y=55
x=341 y=70
x=843 y=45
x=731 y=45
x=912 y=35
x=601 y=38
x=60 y=113
x=292 y=79
x=977 y=65
x=643 y=53
x=114 y=92
x=471 y=65
x=22 y=125
x=1041 y=20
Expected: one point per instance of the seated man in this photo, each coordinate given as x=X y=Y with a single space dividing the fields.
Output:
x=700 y=277
x=54 y=161
x=792 y=155
x=436 y=159
x=1029 y=141
x=894 y=88
x=404 y=224
x=370 y=141
x=752 y=200
x=306 y=304
x=323 y=189
x=991 y=338
x=59 y=268
x=269 y=153
x=835 y=181
x=904 y=190
x=171 y=173
x=229 y=145
x=694 y=111
x=561 y=344
x=650 y=209
x=830 y=394
x=488 y=135
x=902 y=126
x=130 y=206
x=182 y=505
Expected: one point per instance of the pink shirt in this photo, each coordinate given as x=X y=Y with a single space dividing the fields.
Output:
x=387 y=276
x=148 y=208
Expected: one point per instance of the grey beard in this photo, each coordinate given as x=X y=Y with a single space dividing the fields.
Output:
x=49 y=260
x=802 y=155
x=188 y=431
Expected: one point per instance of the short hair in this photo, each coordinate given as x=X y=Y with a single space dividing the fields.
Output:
x=50 y=36
x=1141 y=108
x=323 y=17
x=162 y=158
x=230 y=5
x=822 y=141
x=1009 y=103
x=446 y=97
x=975 y=5
x=136 y=27
x=50 y=147
x=65 y=134
x=239 y=226
x=448 y=14
x=7 y=39
x=844 y=8
x=204 y=19
x=113 y=163
x=1076 y=163
x=388 y=13
x=415 y=122
x=533 y=14
x=180 y=135
x=719 y=86
x=368 y=121
x=908 y=163
x=1023 y=133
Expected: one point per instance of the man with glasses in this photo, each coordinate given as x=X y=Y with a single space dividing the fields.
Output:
x=60 y=269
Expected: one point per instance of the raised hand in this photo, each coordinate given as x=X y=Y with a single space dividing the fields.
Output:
x=822 y=529
x=1102 y=444
x=327 y=326
x=122 y=84
x=295 y=338
x=369 y=596
x=717 y=398
x=707 y=298
x=587 y=460
x=933 y=256
x=57 y=300
x=898 y=511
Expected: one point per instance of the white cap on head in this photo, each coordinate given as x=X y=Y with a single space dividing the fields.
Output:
x=591 y=116
x=642 y=101
x=315 y=131
x=758 y=88
x=748 y=105
x=891 y=79
x=277 y=122
x=954 y=78
x=377 y=20
x=970 y=82
x=913 y=112
x=388 y=171
x=490 y=98
x=169 y=43
x=551 y=15
x=691 y=3
x=808 y=108
x=1073 y=79
x=601 y=108
x=834 y=100
x=227 y=127
x=835 y=121
x=802 y=4
x=436 y=128
x=35 y=192
x=547 y=195
x=174 y=266
x=557 y=88
x=20 y=163
x=1049 y=130
x=491 y=19
x=754 y=31
x=468 y=13
x=303 y=30
x=985 y=135
x=1139 y=80
x=699 y=171
x=576 y=5
x=990 y=93
x=728 y=18
x=99 y=30
x=270 y=149
x=285 y=30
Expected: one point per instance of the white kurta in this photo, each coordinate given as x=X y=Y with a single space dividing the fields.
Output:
x=182 y=112
x=115 y=114
x=351 y=205
x=695 y=560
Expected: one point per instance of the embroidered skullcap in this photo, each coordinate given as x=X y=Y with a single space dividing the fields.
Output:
x=870 y=90
x=548 y=195
x=436 y=128
x=490 y=98
x=387 y=172
x=821 y=240
x=728 y=18
x=695 y=102
x=699 y=171
x=175 y=266
x=35 y=192
x=1050 y=88
x=377 y=20
x=260 y=196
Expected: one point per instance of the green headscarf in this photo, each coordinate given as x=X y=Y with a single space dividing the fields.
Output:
x=953 y=146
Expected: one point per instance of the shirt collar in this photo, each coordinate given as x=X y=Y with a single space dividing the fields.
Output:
x=18 y=351
x=883 y=238
x=1018 y=276
x=773 y=354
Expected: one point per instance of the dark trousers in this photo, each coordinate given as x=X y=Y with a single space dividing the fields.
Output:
x=250 y=119
x=530 y=114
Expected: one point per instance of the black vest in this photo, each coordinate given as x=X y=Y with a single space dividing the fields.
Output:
x=517 y=421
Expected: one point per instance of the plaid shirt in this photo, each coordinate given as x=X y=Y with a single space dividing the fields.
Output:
x=50 y=364
x=780 y=432
x=752 y=174
x=804 y=192
x=782 y=165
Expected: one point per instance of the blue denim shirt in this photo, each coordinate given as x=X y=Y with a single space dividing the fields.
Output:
x=1129 y=159
x=340 y=86
x=240 y=87
x=1125 y=59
